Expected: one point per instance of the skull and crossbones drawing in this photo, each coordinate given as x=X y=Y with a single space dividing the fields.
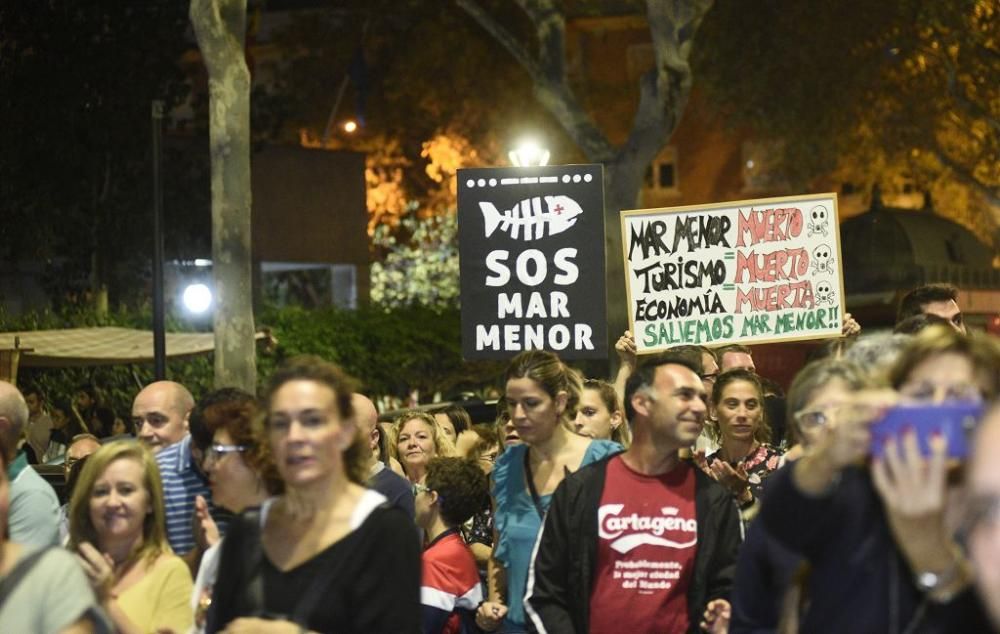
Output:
x=818 y=221
x=822 y=259
x=824 y=294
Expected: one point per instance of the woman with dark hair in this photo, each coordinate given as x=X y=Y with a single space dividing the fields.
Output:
x=453 y=420
x=542 y=395
x=242 y=475
x=744 y=458
x=327 y=554
x=601 y=415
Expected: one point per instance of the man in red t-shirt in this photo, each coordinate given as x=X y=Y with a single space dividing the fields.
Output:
x=642 y=541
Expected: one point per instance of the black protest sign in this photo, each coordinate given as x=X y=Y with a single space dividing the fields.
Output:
x=531 y=247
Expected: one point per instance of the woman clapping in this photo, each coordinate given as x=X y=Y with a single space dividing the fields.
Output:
x=117 y=528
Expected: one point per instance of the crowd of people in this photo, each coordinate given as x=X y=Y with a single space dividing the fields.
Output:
x=687 y=494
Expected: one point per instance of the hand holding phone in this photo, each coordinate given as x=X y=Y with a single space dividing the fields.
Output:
x=955 y=420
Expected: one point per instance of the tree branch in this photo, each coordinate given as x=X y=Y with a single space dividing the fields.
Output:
x=664 y=90
x=551 y=88
x=990 y=193
x=550 y=27
x=498 y=32
x=219 y=25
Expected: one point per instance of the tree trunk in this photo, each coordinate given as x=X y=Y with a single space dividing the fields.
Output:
x=220 y=27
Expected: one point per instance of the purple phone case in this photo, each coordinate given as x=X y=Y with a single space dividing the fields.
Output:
x=956 y=421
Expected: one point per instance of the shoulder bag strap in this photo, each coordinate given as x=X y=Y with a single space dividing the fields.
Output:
x=18 y=573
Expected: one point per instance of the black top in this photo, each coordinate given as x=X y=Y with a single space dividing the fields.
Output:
x=395 y=488
x=859 y=581
x=369 y=581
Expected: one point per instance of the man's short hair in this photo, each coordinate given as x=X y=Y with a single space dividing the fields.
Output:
x=913 y=302
x=32 y=388
x=691 y=353
x=733 y=347
x=645 y=374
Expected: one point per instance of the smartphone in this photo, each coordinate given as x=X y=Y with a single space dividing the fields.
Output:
x=956 y=421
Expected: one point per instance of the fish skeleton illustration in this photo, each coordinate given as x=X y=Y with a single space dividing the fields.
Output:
x=560 y=214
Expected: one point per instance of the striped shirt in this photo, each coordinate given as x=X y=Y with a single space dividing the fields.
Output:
x=182 y=482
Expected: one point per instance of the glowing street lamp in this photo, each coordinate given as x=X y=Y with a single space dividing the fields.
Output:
x=197 y=298
x=528 y=153
x=350 y=126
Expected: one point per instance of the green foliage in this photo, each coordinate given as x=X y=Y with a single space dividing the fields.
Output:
x=421 y=269
x=391 y=351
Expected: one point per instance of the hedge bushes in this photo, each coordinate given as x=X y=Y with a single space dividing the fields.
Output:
x=389 y=351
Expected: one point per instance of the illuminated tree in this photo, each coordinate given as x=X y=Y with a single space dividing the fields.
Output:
x=867 y=89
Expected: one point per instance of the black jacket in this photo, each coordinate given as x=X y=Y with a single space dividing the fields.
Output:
x=859 y=581
x=559 y=582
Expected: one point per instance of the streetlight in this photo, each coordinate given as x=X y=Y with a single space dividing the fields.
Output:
x=197 y=298
x=350 y=126
x=528 y=153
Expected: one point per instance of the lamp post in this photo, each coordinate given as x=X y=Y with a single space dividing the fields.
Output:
x=528 y=153
x=159 y=327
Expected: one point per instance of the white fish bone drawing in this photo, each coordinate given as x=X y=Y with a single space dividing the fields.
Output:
x=560 y=213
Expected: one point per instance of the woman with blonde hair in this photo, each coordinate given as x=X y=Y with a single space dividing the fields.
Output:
x=117 y=527
x=542 y=395
x=417 y=437
x=327 y=555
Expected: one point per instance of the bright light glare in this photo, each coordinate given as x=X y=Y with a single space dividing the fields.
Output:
x=350 y=126
x=197 y=298
x=529 y=153
x=202 y=262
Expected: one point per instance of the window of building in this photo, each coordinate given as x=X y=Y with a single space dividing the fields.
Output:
x=661 y=175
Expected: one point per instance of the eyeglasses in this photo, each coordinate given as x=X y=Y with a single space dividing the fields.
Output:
x=419 y=488
x=812 y=419
x=218 y=452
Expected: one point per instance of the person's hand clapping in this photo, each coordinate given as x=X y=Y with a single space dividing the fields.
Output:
x=733 y=478
x=490 y=615
x=99 y=568
x=206 y=532
x=717 y=616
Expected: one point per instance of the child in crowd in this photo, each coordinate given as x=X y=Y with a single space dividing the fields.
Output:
x=450 y=588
